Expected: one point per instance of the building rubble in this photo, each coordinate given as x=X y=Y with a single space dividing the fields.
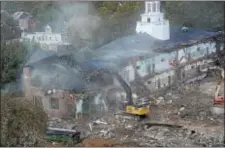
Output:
x=182 y=120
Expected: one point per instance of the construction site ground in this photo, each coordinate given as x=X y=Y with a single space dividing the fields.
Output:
x=176 y=119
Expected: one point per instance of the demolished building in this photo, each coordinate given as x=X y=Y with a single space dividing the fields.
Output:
x=58 y=84
x=159 y=59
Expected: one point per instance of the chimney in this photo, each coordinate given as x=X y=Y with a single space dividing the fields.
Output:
x=27 y=82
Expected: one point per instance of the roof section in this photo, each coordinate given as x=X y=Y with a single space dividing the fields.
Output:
x=39 y=55
x=53 y=71
x=21 y=15
x=57 y=76
x=96 y=64
x=140 y=44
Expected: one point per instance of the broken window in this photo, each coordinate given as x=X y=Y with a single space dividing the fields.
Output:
x=37 y=101
x=54 y=103
x=70 y=110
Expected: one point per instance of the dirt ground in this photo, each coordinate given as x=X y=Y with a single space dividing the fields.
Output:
x=185 y=120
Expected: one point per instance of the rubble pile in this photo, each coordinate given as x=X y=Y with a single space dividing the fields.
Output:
x=59 y=123
x=175 y=120
x=128 y=133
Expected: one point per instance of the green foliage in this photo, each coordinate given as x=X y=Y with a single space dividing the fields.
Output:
x=109 y=9
x=204 y=14
x=43 y=11
x=22 y=124
x=12 y=58
x=9 y=29
x=119 y=18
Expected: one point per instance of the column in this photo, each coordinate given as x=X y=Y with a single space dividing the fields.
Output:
x=146 y=7
x=157 y=6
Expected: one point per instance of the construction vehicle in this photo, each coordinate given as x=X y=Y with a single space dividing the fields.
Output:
x=218 y=98
x=140 y=110
x=217 y=66
x=218 y=102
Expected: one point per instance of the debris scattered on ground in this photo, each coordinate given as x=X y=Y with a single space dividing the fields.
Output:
x=175 y=120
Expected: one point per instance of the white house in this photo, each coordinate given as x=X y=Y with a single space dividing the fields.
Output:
x=47 y=40
x=157 y=47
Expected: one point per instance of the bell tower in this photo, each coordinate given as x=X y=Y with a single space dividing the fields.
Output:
x=153 y=22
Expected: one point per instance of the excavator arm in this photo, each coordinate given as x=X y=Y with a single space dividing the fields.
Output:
x=130 y=108
x=122 y=82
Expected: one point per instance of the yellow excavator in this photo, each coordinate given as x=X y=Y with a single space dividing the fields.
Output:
x=129 y=107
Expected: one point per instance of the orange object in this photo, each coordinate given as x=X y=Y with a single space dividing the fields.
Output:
x=219 y=100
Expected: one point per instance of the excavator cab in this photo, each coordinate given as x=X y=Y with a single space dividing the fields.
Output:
x=137 y=110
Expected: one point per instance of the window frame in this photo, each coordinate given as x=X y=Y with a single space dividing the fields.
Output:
x=51 y=102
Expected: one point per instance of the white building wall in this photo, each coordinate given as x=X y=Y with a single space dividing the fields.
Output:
x=163 y=79
x=162 y=65
x=142 y=71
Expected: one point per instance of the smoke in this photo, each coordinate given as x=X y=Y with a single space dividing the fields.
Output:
x=79 y=20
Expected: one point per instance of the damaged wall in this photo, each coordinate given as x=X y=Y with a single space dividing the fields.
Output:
x=191 y=60
x=54 y=102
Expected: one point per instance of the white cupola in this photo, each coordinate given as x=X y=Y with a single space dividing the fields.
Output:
x=153 y=22
x=48 y=29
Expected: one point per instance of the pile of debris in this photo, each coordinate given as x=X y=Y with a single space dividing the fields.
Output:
x=128 y=132
x=176 y=120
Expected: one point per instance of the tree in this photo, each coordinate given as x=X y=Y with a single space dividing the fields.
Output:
x=22 y=123
x=204 y=14
x=119 y=17
x=12 y=59
x=9 y=27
